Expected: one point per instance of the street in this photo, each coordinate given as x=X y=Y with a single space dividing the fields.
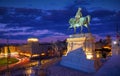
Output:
x=31 y=68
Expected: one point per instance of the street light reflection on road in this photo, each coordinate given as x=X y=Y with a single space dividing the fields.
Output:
x=28 y=71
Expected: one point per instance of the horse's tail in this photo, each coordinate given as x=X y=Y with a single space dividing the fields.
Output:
x=88 y=22
x=88 y=19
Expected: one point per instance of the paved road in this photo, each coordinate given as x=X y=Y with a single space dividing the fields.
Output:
x=31 y=68
x=19 y=63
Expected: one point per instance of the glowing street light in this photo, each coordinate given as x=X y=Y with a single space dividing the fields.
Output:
x=114 y=42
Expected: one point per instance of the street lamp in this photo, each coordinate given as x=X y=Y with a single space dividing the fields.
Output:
x=114 y=42
x=8 y=56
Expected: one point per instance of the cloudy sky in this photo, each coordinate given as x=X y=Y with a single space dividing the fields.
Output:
x=47 y=20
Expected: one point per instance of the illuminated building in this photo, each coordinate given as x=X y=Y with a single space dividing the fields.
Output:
x=116 y=43
x=116 y=47
x=31 y=48
x=33 y=43
x=13 y=50
x=25 y=50
x=32 y=40
x=34 y=48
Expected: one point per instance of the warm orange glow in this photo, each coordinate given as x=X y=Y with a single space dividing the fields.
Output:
x=64 y=53
x=32 y=40
x=26 y=54
x=12 y=49
x=43 y=54
x=89 y=55
x=98 y=54
x=107 y=47
x=35 y=55
x=12 y=54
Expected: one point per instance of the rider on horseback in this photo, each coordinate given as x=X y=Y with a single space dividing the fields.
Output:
x=78 y=15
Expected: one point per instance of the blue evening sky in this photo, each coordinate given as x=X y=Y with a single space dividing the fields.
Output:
x=48 y=19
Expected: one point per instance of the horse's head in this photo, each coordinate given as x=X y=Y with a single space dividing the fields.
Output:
x=72 y=22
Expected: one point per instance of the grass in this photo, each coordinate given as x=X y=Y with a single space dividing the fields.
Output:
x=3 y=61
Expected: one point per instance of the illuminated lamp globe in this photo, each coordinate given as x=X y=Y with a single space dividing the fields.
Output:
x=114 y=42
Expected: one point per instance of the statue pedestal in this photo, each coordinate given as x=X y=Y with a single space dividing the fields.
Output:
x=80 y=53
x=84 y=41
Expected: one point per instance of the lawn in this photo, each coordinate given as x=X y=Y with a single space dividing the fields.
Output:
x=3 y=61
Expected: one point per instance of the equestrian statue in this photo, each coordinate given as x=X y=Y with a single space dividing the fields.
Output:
x=79 y=21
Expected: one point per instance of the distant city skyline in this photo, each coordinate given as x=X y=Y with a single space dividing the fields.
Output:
x=48 y=20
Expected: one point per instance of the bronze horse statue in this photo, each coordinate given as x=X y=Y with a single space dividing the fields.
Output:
x=79 y=21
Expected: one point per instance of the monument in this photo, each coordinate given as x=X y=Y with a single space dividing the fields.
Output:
x=81 y=47
x=79 y=21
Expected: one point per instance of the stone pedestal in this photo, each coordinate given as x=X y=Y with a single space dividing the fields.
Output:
x=84 y=41
x=80 y=53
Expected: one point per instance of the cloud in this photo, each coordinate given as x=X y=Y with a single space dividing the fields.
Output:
x=44 y=23
x=104 y=35
x=18 y=33
x=38 y=33
x=105 y=24
x=98 y=37
x=45 y=39
x=103 y=4
x=46 y=12
x=46 y=32
x=102 y=13
x=38 y=18
x=2 y=25
x=58 y=34
x=35 y=17
x=4 y=41
x=107 y=33
x=97 y=24
x=39 y=4
x=14 y=29
x=1 y=17
x=95 y=19
x=53 y=38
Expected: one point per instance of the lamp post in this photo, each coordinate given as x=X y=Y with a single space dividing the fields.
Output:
x=8 y=56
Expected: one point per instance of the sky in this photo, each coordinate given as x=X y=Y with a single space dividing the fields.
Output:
x=48 y=20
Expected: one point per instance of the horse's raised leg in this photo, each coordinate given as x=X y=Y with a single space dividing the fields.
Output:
x=74 y=30
x=89 y=29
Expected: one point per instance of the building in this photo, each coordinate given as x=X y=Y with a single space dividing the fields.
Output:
x=116 y=47
x=31 y=48
x=13 y=50
x=34 y=48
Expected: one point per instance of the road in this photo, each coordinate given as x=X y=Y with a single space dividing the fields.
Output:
x=31 y=68
x=19 y=63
